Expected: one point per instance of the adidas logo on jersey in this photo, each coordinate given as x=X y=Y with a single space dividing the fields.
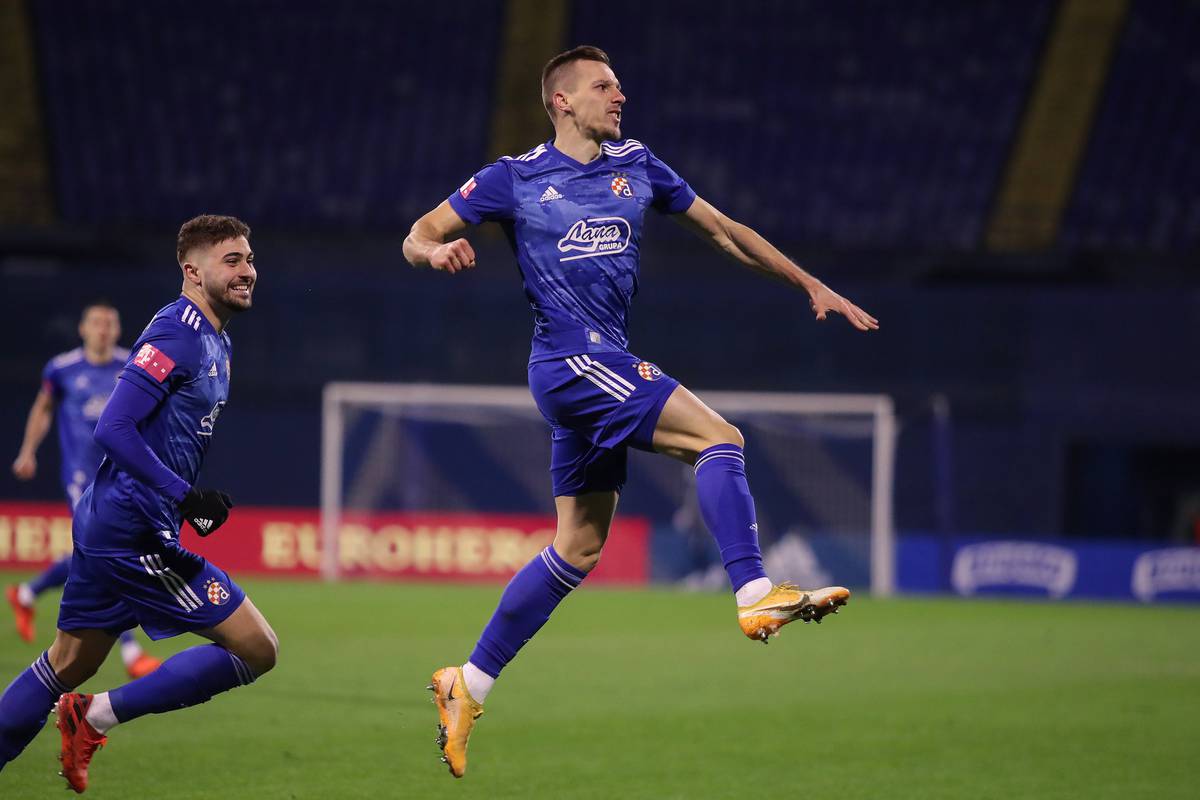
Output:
x=212 y=371
x=550 y=194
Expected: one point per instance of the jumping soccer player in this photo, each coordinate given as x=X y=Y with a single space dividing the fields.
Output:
x=128 y=567
x=75 y=387
x=572 y=209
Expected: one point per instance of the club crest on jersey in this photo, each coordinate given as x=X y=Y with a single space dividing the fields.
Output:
x=600 y=236
x=620 y=186
x=218 y=595
x=648 y=372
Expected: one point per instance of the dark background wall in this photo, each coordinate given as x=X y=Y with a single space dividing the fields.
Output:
x=866 y=139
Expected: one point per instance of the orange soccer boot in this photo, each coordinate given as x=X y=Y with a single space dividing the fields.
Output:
x=786 y=603
x=79 y=739
x=457 y=712
x=142 y=666
x=21 y=613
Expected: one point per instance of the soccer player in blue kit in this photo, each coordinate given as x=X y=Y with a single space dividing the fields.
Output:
x=572 y=209
x=75 y=386
x=128 y=567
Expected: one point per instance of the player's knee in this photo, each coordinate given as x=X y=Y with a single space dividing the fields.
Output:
x=724 y=433
x=261 y=651
x=735 y=436
x=582 y=557
x=585 y=561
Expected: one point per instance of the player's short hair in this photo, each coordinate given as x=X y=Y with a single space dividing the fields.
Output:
x=99 y=302
x=206 y=230
x=555 y=66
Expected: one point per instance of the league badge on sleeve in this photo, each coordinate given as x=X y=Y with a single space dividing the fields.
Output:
x=648 y=372
x=466 y=189
x=620 y=186
x=154 y=362
x=218 y=595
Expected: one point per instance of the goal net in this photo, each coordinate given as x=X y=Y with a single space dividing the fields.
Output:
x=428 y=480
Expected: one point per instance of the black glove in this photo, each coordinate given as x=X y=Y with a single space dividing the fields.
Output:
x=205 y=509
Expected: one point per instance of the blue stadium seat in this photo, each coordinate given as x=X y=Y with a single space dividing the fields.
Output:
x=864 y=124
x=1139 y=185
x=292 y=113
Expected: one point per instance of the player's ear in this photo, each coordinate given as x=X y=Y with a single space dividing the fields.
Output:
x=191 y=273
x=561 y=102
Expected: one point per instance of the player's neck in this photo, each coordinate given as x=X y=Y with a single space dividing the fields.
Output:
x=98 y=355
x=573 y=144
x=215 y=319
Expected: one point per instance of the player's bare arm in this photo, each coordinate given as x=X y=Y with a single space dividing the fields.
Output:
x=743 y=243
x=41 y=415
x=426 y=244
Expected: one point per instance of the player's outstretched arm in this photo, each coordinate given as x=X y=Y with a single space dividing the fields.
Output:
x=744 y=244
x=41 y=415
x=426 y=244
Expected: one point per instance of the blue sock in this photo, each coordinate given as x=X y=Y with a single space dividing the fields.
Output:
x=528 y=600
x=25 y=705
x=185 y=679
x=126 y=637
x=728 y=511
x=54 y=576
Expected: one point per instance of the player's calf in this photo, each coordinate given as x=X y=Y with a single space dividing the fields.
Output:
x=76 y=656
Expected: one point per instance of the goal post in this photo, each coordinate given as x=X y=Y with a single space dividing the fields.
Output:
x=400 y=447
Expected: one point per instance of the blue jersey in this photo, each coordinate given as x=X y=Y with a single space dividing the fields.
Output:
x=181 y=359
x=575 y=230
x=80 y=389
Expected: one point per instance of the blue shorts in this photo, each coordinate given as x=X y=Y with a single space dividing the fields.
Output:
x=168 y=592
x=597 y=405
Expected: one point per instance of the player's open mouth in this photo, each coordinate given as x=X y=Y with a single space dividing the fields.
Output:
x=240 y=289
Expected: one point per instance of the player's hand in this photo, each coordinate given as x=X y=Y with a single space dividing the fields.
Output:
x=25 y=467
x=453 y=256
x=823 y=300
x=205 y=509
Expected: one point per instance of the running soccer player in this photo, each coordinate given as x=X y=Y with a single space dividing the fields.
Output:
x=128 y=567
x=75 y=387
x=572 y=209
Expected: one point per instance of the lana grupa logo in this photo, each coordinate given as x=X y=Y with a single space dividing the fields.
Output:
x=600 y=236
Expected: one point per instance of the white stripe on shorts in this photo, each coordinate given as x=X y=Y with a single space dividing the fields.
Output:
x=604 y=368
x=178 y=579
x=170 y=581
x=582 y=371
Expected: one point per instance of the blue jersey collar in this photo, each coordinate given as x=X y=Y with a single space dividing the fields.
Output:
x=566 y=159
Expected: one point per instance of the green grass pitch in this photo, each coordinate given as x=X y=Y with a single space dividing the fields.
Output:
x=655 y=694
